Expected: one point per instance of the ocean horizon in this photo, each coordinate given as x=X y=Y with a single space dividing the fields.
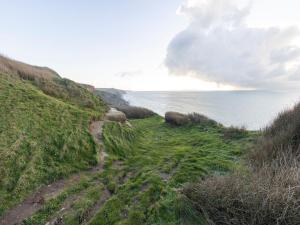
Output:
x=251 y=109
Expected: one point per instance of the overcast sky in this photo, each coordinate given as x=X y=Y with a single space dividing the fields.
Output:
x=158 y=45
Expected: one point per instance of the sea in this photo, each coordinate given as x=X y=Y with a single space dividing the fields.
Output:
x=253 y=110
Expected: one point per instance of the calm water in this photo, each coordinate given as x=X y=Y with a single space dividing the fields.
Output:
x=252 y=109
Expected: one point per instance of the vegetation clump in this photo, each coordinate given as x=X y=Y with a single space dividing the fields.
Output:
x=177 y=119
x=133 y=112
x=180 y=119
x=197 y=118
x=235 y=132
x=269 y=193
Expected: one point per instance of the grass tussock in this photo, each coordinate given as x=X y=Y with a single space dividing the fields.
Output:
x=179 y=119
x=133 y=112
x=235 y=132
x=197 y=118
x=269 y=193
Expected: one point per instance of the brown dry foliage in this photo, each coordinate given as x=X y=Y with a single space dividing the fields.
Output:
x=283 y=135
x=266 y=197
x=24 y=70
x=197 y=118
x=234 y=132
x=269 y=193
x=133 y=112
x=176 y=118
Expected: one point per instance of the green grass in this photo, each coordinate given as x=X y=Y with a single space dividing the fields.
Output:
x=147 y=167
x=86 y=192
x=160 y=159
x=42 y=138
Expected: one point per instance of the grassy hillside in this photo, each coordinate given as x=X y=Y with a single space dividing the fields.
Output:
x=152 y=160
x=148 y=164
x=52 y=84
x=44 y=134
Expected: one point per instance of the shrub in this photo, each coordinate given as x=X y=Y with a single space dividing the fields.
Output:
x=263 y=198
x=283 y=135
x=234 y=132
x=176 y=118
x=197 y=118
x=270 y=193
x=133 y=112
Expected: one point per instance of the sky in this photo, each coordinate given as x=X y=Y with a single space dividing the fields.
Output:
x=158 y=45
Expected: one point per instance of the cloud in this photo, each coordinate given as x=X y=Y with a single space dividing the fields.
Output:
x=219 y=46
x=129 y=73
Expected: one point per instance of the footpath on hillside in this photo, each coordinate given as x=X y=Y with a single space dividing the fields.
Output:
x=35 y=202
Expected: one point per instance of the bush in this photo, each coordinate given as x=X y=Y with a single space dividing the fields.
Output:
x=263 y=198
x=180 y=119
x=235 y=132
x=281 y=136
x=197 y=118
x=133 y=112
x=176 y=118
x=270 y=193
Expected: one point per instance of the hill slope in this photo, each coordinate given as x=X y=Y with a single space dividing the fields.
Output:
x=148 y=162
x=44 y=129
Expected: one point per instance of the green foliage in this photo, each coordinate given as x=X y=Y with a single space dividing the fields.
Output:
x=159 y=158
x=71 y=93
x=42 y=138
x=122 y=140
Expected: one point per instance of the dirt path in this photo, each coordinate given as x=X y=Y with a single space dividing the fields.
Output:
x=35 y=202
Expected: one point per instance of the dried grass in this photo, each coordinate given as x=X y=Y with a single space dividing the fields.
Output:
x=25 y=71
x=269 y=193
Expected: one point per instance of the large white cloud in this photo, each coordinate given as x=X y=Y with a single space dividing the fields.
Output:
x=219 y=46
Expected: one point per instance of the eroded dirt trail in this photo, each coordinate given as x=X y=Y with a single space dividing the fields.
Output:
x=36 y=201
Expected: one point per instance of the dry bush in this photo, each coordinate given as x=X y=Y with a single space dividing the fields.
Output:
x=283 y=135
x=270 y=193
x=234 y=132
x=176 y=118
x=266 y=197
x=133 y=112
x=197 y=118
x=25 y=71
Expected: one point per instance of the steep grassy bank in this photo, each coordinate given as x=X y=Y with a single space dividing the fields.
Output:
x=43 y=136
